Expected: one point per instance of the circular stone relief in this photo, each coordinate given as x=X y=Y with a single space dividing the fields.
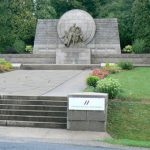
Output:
x=81 y=20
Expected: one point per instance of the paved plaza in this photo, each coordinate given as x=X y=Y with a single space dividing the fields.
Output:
x=43 y=82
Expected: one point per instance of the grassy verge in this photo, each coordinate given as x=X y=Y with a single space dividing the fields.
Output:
x=135 y=84
x=127 y=142
x=129 y=120
x=129 y=115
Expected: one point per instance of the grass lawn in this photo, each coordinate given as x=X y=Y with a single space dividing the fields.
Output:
x=128 y=120
x=127 y=142
x=135 y=84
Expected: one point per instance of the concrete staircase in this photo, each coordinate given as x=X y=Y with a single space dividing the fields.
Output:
x=33 y=111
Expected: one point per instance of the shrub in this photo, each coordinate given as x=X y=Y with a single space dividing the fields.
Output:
x=112 y=68
x=92 y=81
x=4 y=65
x=125 y=65
x=138 y=46
x=10 y=50
x=2 y=61
x=2 y=50
x=7 y=66
x=147 y=50
x=2 y=69
x=28 y=48
x=128 y=49
x=110 y=86
x=89 y=89
x=19 y=46
x=101 y=73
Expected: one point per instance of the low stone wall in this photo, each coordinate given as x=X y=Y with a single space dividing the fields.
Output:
x=96 y=58
x=135 y=58
x=30 y=58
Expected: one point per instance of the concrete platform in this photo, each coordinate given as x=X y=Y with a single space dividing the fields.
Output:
x=42 y=82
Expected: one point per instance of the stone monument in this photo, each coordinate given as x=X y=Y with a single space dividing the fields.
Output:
x=76 y=36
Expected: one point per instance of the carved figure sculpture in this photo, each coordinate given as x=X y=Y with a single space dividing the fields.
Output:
x=73 y=36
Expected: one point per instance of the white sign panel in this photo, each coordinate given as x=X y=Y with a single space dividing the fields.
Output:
x=83 y=103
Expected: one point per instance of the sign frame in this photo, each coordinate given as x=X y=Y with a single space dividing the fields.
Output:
x=87 y=103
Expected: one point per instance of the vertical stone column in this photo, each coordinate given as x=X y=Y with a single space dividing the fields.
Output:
x=87 y=112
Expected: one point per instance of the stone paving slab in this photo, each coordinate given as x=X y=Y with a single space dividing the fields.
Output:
x=74 y=85
x=39 y=82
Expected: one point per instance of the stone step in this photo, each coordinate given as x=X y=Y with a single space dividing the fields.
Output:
x=33 y=107
x=33 y=124
x=59 y=67
x=42 y=98
x=33 y=102
x=33 y=112
x=34 y=118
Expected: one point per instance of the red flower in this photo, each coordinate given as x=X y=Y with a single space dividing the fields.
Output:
x=101 y=73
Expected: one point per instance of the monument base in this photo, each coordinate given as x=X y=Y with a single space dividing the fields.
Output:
x=87 y=112
x=73 y=56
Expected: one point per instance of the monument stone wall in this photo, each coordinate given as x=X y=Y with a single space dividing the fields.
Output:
x=101 y=36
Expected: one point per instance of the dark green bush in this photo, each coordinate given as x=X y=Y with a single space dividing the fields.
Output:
x=10 y=50
x=19 y=46
x=2 y=50
x=110 y=86
x=92 y=80
x=138 y=46
x=125 y=65
x=147 y=50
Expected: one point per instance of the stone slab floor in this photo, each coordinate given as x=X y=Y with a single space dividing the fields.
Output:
x=43 y=82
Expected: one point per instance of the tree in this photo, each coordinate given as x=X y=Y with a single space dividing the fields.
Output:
x=5 y=26
x=23 y=21
x=61 y=6
x=91 y=6
x=120 y=9
x=44 y=9
x=141 y=20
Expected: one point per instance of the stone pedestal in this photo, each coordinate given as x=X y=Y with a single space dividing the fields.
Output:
x=87 y=112
x=73 y=56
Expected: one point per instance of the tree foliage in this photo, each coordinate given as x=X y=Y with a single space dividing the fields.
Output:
x=120 y=9
x=6 y=37
x=18 y=17
x=23 y=22
x=141 y=20
x=44 y=9
x=91 y=6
